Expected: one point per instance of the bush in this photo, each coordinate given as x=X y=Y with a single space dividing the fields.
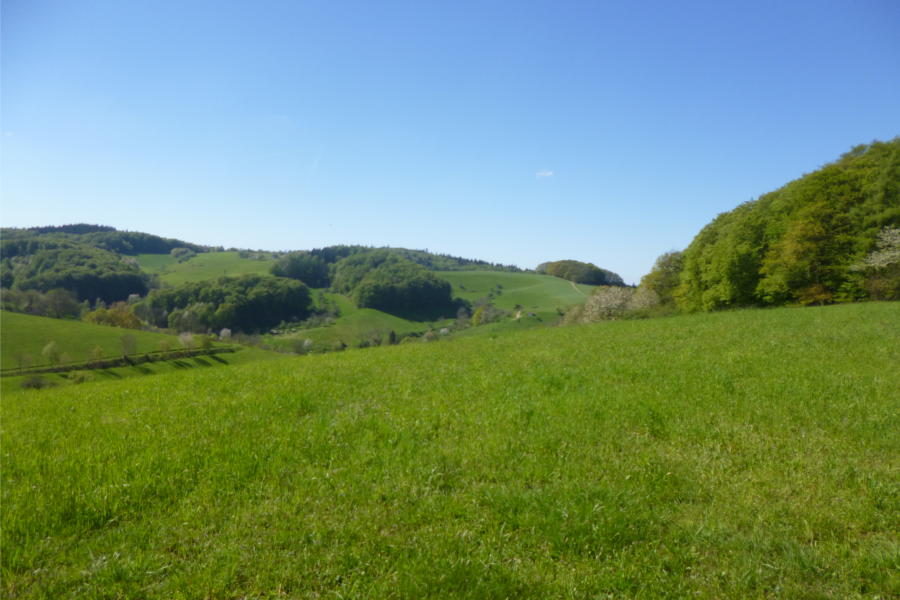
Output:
x=36 y=382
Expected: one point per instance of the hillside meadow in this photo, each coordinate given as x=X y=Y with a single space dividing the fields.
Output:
x=25 y=336
x=744 y=454
x=534 y=293
x=29 y=334
x=206 y=265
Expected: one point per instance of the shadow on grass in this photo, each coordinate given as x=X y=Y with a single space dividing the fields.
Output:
x=109 y=373
x=202 y=362
x=218 y=359
x=431 y=313
x=142 y=369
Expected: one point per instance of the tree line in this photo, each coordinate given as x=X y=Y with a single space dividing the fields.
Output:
x=831 y=236
x=580 y=272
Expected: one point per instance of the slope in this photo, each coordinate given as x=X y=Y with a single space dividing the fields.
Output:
x=26 y=335
x=208 y=265
x=725 y=455
x=540 y=294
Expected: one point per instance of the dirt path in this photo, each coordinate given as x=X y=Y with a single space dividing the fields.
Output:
x=575 y=287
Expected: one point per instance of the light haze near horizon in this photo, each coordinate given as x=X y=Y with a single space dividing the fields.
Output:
x=513 y=132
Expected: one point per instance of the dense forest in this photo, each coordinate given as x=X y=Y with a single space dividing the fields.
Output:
x=831 y=236
x=385 y=280
x=248 y=303
x=91 y=261
x=800 y=243
x=316 y=267
x=90 y=273
x=19 y=242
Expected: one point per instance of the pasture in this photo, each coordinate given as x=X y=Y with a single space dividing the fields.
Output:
x=536 y=293
x=745 y=454
x=25 y=336
x=207 y=265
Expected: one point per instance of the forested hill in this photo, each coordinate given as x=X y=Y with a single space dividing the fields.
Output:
x=806 y=242
x=19 y=242
x=90 y=261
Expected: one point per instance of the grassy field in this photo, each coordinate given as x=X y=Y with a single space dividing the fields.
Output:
x=207 y=265
x=10 y=385
x=750 y=454
x=353 y=325
x=539 y=294
x=28 y=334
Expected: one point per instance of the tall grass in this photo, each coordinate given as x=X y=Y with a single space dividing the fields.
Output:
x=745 y=454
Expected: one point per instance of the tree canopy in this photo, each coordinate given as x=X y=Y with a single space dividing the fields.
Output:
x=247 y=303
x=384 y=280
x=580 y=272
x=796 y=244
x=88 y=272
x=309 y=268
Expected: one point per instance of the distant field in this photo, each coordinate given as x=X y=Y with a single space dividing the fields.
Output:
x=353 y=325
x=746 y=454
x=536 y=293
x=539 y=295
x=207 y=265
x=27 y=334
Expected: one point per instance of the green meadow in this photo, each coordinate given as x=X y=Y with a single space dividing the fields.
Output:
x=27 y=335
x=536 y=293
x=24 y=336
x=207 y=265
x=352 y=326
x=744 y=454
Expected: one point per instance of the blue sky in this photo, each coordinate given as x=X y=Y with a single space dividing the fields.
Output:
x=515 y=132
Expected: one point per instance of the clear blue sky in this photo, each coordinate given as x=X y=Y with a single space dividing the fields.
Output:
x=516 y=132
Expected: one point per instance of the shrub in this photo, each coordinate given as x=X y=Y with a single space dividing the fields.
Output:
x=36 y=382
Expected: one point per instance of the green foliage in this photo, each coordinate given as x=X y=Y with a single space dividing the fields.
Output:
x=609 y=303
x=303 y=266
x=119 y=314
x=797 y=244
x=429 y=260
x=57 y=303
x=51 y=353
x=446 y=262
x=487 y=313
x=21 y=242
x=743 y=454
x=247 y=303
x=383 y=280
x=663 y=279
x=89 y=273
x=182 y=254
x=402 y=287
x=882 y=266
x=580 y=272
